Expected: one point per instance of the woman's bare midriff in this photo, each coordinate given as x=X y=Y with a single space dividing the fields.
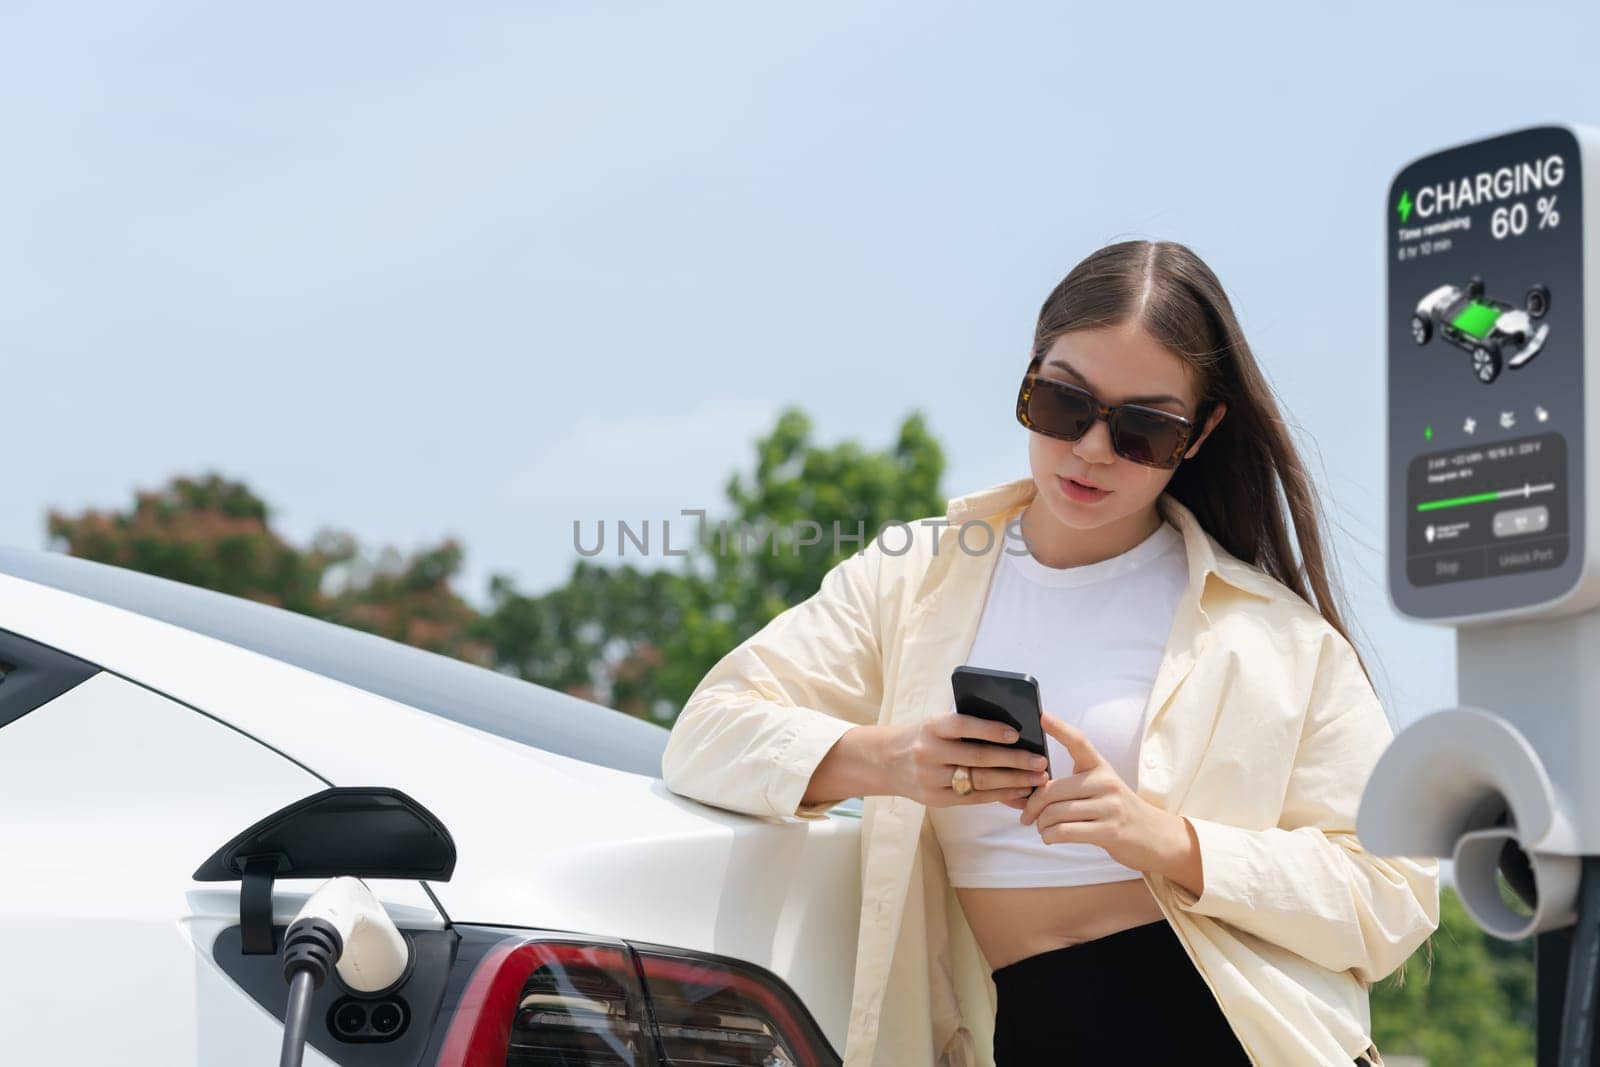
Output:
x=1013 y=924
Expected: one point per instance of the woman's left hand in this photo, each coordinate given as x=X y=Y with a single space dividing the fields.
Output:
x=1093 y=805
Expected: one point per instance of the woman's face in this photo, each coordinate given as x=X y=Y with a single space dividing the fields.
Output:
x=1118 y=364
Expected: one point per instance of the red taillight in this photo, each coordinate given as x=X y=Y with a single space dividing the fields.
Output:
x=545 y=1000
x=533 y=1003
x=716 y=1011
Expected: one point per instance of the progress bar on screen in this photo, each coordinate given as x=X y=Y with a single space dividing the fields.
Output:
x=1525 y=490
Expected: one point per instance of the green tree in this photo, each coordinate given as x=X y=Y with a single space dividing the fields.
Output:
x=205 y=531
x=640 y=641
x=798 y=492
x=597 y=637
x=216 y=533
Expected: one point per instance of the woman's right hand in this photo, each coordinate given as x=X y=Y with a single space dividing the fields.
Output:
x=922 y=756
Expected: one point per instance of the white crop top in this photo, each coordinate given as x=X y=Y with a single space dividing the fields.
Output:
x=1093 y=637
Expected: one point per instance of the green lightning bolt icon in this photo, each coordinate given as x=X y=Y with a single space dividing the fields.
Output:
x=1404 y=206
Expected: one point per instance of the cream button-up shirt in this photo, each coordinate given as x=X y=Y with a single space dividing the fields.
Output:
x=1261 y=729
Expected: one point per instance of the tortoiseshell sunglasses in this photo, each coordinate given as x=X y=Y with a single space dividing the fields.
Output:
x=1145 y=435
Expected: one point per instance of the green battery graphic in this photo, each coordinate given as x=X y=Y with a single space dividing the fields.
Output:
x=1476 y=319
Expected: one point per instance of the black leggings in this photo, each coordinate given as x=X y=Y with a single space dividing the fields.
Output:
x=1131 y=997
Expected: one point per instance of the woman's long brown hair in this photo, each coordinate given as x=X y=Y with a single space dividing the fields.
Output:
x=1233 y=483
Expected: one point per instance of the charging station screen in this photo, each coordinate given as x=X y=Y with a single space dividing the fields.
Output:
x=1485 y=340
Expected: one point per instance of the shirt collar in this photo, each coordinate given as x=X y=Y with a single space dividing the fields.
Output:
x=1205 y=554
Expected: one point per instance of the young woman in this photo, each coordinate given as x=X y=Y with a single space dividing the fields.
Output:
x=1184 y=883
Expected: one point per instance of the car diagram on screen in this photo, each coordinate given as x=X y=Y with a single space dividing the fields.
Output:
x=1493 y=331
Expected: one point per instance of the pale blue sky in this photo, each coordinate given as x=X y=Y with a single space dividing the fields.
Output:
x=483 y=269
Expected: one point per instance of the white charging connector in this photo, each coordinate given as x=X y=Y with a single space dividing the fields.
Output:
x=375 y=953
x=343 y=926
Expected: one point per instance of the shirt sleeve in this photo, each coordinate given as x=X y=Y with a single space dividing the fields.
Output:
x=753 y=731
x=1308 y=884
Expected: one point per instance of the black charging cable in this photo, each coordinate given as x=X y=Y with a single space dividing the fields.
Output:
x=310 y=949
x=1583 y=972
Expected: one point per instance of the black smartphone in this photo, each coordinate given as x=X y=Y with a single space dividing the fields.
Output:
x=1005 y=697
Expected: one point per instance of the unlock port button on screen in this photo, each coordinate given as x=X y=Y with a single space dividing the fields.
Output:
x=1521 y=521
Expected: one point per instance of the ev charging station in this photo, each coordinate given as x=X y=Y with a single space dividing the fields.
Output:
x=1493 y=529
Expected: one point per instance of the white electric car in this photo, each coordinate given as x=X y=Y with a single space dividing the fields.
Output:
x=180 y=770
